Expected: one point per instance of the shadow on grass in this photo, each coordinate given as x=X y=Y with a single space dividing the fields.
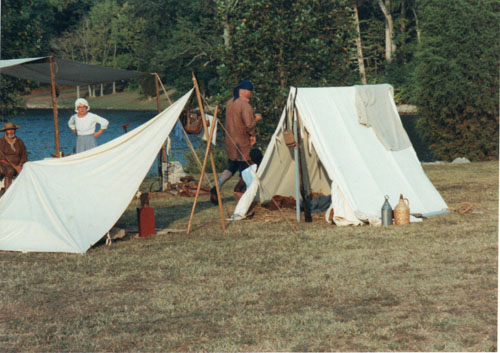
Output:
x=173 y=216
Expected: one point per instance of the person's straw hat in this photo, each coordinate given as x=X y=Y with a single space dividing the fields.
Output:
x=9 y=125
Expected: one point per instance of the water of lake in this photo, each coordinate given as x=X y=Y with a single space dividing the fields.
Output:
x=37 y=132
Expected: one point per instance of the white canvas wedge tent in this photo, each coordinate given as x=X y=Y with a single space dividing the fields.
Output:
x=68 y=204
x=354 y=148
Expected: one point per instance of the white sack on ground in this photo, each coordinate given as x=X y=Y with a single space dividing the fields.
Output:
x=68 y=204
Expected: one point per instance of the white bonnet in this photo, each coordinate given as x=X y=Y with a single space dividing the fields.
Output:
x=81 y=101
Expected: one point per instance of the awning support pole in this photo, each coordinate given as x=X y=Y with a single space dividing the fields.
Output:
x=54 y=106
x=162 y=157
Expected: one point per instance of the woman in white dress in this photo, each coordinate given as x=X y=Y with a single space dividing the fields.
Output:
x=84 y=124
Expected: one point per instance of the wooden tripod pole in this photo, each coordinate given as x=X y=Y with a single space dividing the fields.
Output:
x=209 y=141
x=207 y=152
x=54 y=105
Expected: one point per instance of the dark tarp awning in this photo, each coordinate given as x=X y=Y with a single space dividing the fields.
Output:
x=66 y=72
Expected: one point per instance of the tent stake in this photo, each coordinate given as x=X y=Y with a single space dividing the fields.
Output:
x=54 y=105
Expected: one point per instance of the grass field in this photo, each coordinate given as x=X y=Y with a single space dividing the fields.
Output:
x=259 y=286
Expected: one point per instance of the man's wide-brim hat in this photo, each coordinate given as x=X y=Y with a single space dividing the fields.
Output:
x=9 y=126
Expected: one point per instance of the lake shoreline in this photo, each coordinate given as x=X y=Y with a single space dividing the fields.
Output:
x=125 y=100
x=99 y=108
x=41 y=98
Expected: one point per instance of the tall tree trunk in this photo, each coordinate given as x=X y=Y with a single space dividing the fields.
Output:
x=360 y=57
x=77 y=92
x=419 y=33
x=102 y=89
x=114 y=65
x=227 y=6
x=403 y=30
x=390 y=46
x=227 y=35
x=283 y=82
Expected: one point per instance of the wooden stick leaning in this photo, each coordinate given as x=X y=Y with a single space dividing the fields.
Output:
x=214 y=170
x=207 y=152
x=209 y=141
x=190 y=145
x=198 y=162
x=8 y=161
x=164 y=90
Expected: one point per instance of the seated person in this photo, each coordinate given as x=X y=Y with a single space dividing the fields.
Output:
x=12 y=154
x=248 y=174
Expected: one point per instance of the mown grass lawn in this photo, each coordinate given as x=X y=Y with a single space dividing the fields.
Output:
x=260 y=286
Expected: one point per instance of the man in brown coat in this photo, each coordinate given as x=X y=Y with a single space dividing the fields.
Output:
x=240 y=132
x=12 y=154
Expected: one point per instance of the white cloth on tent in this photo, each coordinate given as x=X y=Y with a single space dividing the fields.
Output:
x=68 y=204
x=210 y=119
x=376 y=109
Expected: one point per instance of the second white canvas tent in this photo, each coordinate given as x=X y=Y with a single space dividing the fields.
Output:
x=355 y=149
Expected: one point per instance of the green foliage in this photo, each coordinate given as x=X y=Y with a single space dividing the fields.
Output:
x=175 y=38
x=399 y=72
x=457 y=78
x=9 y=98
x=27 y=25
x=280 y=43
x=400 y=77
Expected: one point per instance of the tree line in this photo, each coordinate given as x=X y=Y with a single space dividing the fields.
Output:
x=440 y=55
